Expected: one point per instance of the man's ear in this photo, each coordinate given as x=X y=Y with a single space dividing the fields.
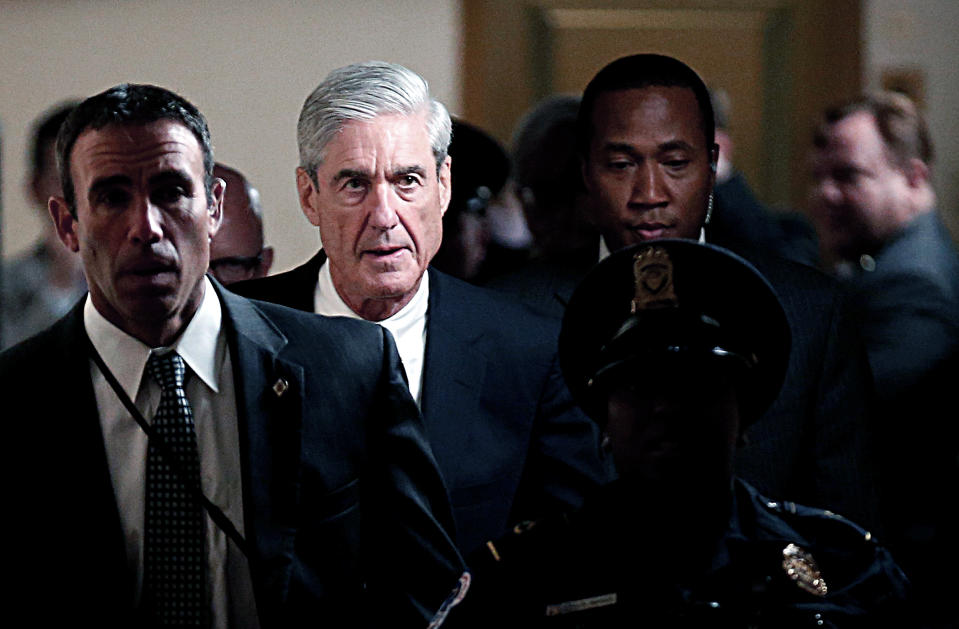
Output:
x=64 y=222
x=218 y=192
x=714 y=158
x=584 y=172
x=266 y=262
x=445 y=177
x=307 y=191
x=917 y=172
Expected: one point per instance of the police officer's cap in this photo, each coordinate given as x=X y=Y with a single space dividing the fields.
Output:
x=667 y=305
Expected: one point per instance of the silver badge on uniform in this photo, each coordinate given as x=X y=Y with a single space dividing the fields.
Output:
x=801 y=568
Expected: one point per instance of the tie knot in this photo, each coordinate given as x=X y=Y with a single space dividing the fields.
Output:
x=167 y=369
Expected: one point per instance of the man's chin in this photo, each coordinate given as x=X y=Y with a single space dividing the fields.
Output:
x=392 y=284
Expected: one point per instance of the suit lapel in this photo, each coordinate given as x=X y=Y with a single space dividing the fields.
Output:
x=454 y=367
x=269 y=416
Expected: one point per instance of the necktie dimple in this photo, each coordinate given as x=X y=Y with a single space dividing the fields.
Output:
x=174 y=549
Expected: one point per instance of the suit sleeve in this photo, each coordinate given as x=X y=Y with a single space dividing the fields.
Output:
x=565 y=463
x=412 y=563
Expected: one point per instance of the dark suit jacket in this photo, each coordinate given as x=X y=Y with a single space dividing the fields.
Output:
x=741 y=220
x=338 y=480
x=813 y=445
x=909 y=302
x=509 y=440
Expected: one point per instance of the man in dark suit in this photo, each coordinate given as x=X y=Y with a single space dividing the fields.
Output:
x=286 y=478
x=374 y=176
x=646 y=141
x=874 y=208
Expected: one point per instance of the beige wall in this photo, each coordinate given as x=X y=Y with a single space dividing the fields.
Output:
x=248 y=65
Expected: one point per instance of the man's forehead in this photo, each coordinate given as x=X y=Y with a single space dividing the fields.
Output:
x=855 y=137
x=654 y=110
x=136 y=146
x=383 y=140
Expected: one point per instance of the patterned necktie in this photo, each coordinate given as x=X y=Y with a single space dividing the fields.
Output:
x=174 y=549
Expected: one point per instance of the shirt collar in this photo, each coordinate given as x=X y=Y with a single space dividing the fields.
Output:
x=604 y=248
x=200 y=345
x=328 y=302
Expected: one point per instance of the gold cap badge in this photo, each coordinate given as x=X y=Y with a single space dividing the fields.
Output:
x=653 y=277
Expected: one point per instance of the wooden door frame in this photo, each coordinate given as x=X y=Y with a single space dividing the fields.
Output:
x=813 y=60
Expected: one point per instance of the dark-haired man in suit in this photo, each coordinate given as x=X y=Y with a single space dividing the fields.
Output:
x=645 y=136
x=205 y=460
x=375 y=178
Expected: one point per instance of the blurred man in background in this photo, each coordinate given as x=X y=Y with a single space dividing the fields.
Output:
x=41 y=285
x=874 y=208
x=237 y=252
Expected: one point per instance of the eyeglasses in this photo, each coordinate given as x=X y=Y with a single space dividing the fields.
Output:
x=235 y=268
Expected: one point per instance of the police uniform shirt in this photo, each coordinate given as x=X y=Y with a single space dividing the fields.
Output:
x=408 y=326
x=573 y=572
x=210 y=389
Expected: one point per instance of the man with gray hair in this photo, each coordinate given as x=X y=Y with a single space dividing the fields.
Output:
x=375 y=178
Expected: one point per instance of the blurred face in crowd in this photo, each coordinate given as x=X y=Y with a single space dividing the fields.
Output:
x=237 y=252
x=143 y=225
x=379 y=204
x=859 y=195
x=647 y=172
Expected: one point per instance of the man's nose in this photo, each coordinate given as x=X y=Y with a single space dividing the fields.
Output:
x=649 y=187
x=383 y=214
x=145 y=221
x=826 y=190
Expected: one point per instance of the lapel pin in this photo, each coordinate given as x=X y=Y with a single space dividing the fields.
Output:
x=280 y=387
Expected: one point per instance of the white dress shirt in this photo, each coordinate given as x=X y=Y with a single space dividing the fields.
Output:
x=209 y=388
x=408 y=326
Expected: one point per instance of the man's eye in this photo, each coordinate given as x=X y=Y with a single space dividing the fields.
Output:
x=353 y=184
x=846 y=176
x=620 y=164
x=676 y=163
x=169 y=195
x=115 y=197
x=408 y=181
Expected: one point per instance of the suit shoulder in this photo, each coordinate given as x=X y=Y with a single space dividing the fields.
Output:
x=480 y=304
x=264 y=287
x=39 y=348
x=820 y=528
x=293 y=322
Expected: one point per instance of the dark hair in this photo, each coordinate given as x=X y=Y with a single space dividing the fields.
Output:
x=130 y=104
x=544 y=150
x=900 y=123
x=45 y=129
x=639 y=71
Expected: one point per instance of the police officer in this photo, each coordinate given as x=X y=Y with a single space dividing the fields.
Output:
x=673 y=348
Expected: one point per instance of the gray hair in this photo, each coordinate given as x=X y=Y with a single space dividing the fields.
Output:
x=363 y=91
